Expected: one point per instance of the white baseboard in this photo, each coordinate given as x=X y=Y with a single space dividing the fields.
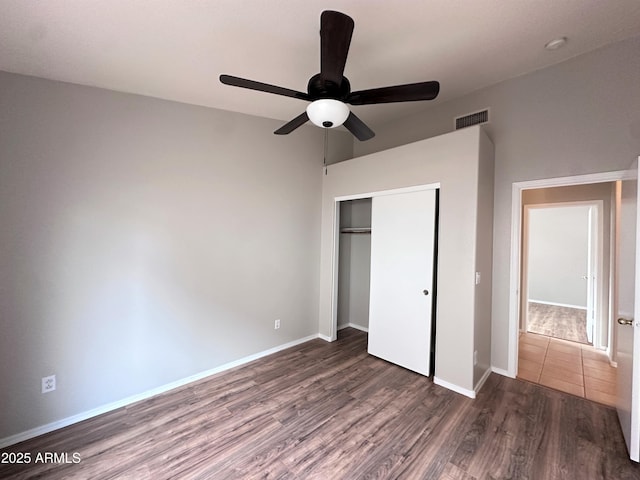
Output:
x=65 y=422
x=325 y=338
x=453 y=387
x=555 y=304
x=464 y=391
x=480 y=383
x=354 y=325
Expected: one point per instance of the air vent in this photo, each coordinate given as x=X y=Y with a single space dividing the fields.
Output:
x=472 y=119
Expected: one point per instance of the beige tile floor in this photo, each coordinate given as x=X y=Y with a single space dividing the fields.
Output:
x=567 y=366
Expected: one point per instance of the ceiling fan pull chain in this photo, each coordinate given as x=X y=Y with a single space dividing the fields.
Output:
x=326 y=147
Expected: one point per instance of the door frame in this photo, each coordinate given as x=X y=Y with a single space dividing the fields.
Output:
x=516 y=241
x=335 y=254
x=595 y=262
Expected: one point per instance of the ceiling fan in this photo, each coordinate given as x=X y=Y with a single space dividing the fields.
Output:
x=329 y=91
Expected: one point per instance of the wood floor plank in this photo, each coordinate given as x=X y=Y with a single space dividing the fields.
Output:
x=452 y=472
x=331 y=411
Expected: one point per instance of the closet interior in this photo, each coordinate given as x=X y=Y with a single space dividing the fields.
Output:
x=354 y=264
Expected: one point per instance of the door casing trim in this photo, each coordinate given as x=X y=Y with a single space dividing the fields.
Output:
x=516 y=238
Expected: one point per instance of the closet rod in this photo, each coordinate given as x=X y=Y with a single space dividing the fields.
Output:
x=356 y=230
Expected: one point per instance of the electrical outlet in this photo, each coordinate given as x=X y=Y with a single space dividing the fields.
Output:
x=48 y=384
x=475 y=358
x=277 y=324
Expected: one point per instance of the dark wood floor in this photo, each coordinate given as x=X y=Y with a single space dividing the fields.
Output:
x=330 y=411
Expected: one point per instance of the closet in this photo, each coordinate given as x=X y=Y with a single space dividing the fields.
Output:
x=460 y=166
x=386 y=279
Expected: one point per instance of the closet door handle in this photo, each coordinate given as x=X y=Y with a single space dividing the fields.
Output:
x=426 y=292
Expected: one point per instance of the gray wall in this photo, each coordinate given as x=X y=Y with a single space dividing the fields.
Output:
x=558 y=255
x=577 y=117
x=484 y=260
x=144 y=241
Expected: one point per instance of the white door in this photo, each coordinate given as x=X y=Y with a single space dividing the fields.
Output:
x=402 y=260
x=628 y=329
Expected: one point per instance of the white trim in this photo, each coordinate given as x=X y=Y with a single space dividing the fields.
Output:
x=335 y=266
x=613 y=284
x=354 y=325
x=393 y=191
x=634 y=426
x=516 y=229
x=65 y=422
x=450 y=386
x=570 y=203
x=325 y=338
x=502 y=372
x=577 y=179
x=483 y=379
x=514 y=281
x=555 y=304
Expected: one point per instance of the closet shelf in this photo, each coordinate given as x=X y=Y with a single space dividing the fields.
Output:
x=355 y=230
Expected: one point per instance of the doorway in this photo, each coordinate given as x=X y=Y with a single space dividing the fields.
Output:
x=561 y=270
x=569 y=287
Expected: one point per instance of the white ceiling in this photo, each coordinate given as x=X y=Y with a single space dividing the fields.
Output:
x=176 y=49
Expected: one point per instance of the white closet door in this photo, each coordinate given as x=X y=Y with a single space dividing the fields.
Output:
x=402 y=261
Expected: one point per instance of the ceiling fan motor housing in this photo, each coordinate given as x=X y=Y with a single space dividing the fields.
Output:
x=328 y=109
x=319 y=87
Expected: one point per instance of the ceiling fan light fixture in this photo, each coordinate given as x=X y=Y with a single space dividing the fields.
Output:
x=327 y=112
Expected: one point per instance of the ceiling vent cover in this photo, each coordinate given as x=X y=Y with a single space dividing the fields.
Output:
x=476 y=118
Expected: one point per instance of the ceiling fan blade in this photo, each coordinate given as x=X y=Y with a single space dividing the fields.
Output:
x=335 y=37
x=293 y=124
x=263 y=87
x=358 y=128
x=399 y=93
